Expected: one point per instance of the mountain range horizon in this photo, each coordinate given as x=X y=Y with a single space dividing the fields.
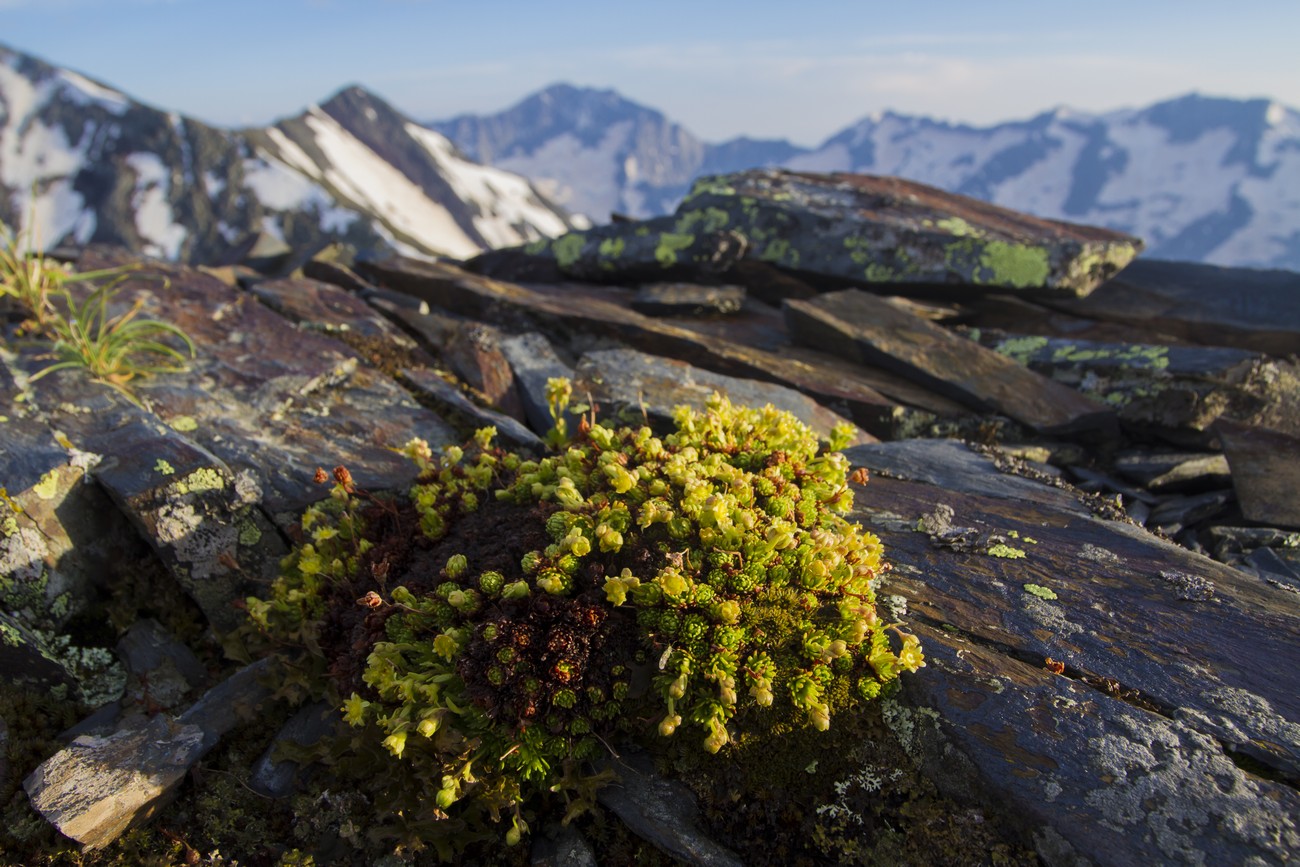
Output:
x=1199 y=177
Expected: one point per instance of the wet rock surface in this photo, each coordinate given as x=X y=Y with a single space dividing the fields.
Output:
x=1110 y=612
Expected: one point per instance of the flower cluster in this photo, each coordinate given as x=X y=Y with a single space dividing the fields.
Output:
x=515 y=614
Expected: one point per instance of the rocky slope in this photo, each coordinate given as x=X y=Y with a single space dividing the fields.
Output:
x=104 y=168
x=1197 y=178
x=1104 y=574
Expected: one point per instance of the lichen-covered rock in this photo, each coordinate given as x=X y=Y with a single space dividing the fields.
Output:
x=864 y=228
x=662 y=248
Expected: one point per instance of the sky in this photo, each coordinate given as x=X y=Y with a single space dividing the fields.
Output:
x=722 y=69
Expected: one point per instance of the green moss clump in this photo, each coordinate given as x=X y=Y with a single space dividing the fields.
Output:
x=491 y=632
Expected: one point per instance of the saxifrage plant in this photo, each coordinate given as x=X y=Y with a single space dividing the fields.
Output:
x=490 y=635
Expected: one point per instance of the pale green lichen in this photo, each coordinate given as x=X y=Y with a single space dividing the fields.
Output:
x=610 y=248
x=200 y=481
x=184 y=424
x=48 y=486
x=956 y=227
x=568 y=249
x=781 y=251
x=164 y=467
x=670 y=244
x=249 y=534
x=704 y=220
x=1006 y=552
x=1017 y=265
x=1040 y=591
x=1020 y=349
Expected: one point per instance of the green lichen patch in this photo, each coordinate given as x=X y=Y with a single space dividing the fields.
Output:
x=1040 y=591
x=164 y=467
x=184 y=424
x=670 y=244
x=510 y=618
x=1017 y=265
x=1006 y=552
x=568 y=249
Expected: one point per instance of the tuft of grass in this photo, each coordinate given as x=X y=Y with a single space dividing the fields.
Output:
x=114 y=349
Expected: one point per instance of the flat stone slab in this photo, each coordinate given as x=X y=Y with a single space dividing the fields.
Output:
x=1265 y=472
x=99 y=786
x=688 y=299
x=661 y=248
x=1173 y=388
x=1210 y=304
x=1139 y=618
x=866 y=228
x=567 y=306
x=269 y=398
x=635 y=387
x=1092 y=779
x=462 y=412
x=662 y=812
x=865 y=328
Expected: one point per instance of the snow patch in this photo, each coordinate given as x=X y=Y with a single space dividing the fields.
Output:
x=153 y=213
x=83 y=91
x=583 y=180
x=280 y=188
x=361 y=175
x=509 y=211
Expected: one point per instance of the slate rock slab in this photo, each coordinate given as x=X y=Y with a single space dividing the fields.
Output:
x=269 y=398
x=60 y=536
x=1210 y=304
x=201 y=519
x=1265 y=468
x=663 y=812
x=99 y=786
x=661 y=248
x=636 y=388
x=1177 y=673
x=1181 y=389
x=865 y=228
x=868 y=329
x=570 y=309
x=1091 y=778
x=687 y=299
x=461 y=412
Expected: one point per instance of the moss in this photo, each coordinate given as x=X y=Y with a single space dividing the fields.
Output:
x=1021 y=266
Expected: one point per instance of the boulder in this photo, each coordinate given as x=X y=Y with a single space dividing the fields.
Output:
x=870 y=229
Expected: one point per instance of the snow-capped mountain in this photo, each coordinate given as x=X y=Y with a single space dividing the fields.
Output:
x=81 y=162
x=595 y=152
x=1198 y=178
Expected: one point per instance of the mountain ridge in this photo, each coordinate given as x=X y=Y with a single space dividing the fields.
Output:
x=81 y=162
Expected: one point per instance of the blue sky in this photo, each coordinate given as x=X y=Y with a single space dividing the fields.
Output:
x=720 y=68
